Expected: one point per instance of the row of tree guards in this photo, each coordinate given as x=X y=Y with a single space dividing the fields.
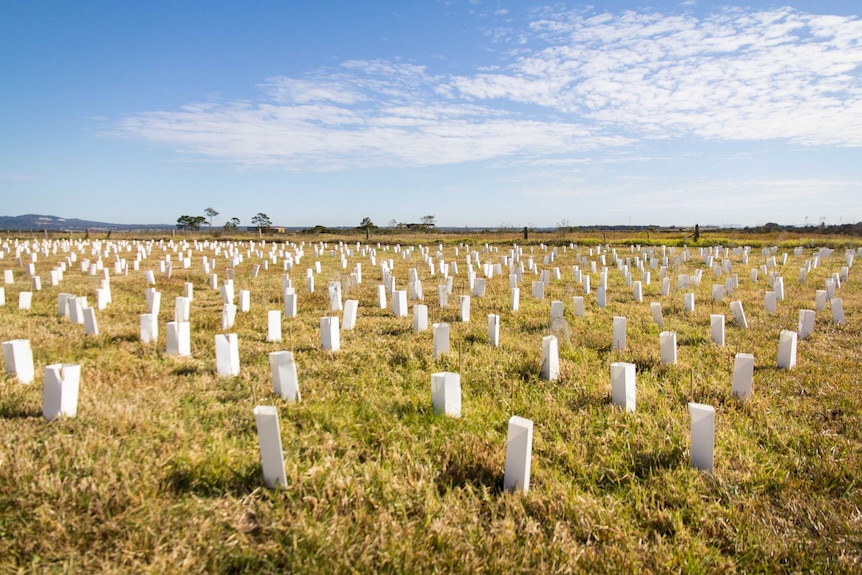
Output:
x=62 y=381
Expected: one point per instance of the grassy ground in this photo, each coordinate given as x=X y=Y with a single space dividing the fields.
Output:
x=160 y=470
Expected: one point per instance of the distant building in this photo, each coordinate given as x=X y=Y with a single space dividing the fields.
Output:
x=267 y=229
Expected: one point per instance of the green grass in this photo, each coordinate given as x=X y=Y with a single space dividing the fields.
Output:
x=160 y=470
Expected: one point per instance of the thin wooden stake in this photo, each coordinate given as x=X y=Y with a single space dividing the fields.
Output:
x=691 y=385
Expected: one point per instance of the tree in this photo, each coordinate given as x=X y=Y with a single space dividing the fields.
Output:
x=367 y=225
x=232 y=224
x=427 y=221
x=563 y=227
x=211 y=213
x=190 y=222
x=261 y=220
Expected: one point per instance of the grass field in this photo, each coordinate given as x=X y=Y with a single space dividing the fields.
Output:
x=160 y=470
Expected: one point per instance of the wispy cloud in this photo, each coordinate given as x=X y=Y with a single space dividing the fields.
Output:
x=362 y=114
x=575 y=82
x=735 y=75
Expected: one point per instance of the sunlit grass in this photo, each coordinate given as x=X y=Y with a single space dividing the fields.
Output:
x=160 y=470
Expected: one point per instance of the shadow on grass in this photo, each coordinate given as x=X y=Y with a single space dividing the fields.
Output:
x=648 y=365
x=396 y=330
x=188 y=369
x=409 y=409
x=400 y=358
x=713 y=396
x=302 y=348
x=207 y=481
x=586 y=399
x=457 y=475
x=18 y=412
x=123 y=338
x=95 y=342
x=648 y=462
x=526 y=371
x=474 y=338
x=606 y=350
x=534 y=326
x=692 y=340
x=643 y=465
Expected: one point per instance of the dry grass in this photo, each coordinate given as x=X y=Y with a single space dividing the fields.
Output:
x=160 y=471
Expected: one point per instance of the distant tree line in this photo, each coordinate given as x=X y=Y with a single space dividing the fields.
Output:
x=836 y=229
x=428 y=223
x=187 y=222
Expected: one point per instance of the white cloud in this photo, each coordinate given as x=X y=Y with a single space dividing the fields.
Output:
x=364 y=114
x=575 y=81
x=735 y=75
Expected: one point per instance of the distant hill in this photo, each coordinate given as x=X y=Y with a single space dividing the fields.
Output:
x=53 y=223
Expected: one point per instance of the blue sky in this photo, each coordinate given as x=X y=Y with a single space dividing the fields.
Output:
x=479 y=113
